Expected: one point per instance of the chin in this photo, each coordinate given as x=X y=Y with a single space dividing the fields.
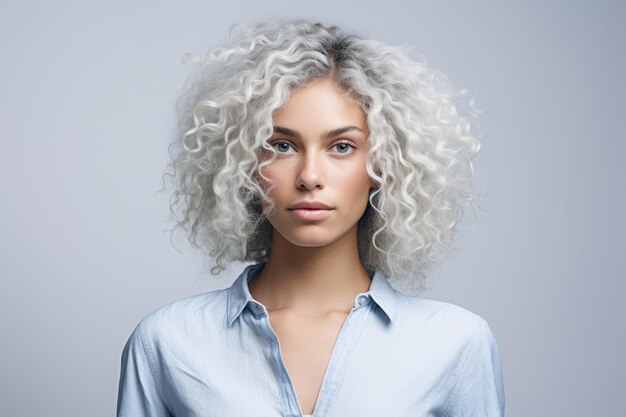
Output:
x=310 y=242
x=310 y=238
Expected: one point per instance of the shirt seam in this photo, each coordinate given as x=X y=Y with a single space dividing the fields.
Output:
x=463 y=371
x=147 y=348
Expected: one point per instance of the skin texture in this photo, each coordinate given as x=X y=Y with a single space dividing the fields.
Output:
x=313 y=272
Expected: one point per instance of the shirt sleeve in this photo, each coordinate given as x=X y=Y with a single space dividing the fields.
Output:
x=480 y=389
x=139 y=392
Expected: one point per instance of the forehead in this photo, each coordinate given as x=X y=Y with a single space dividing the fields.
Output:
x=320 y=103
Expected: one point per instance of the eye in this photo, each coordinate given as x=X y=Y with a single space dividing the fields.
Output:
x=344 y=145
x=284 y=146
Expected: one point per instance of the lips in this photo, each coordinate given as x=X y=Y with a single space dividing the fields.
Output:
x=307 y=214
x=310 y=205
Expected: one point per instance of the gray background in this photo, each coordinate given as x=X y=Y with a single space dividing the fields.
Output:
x=86 y=111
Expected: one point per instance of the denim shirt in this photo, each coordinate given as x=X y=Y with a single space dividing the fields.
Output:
x=216 y=354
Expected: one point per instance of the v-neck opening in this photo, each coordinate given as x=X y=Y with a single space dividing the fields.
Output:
x=347 y=337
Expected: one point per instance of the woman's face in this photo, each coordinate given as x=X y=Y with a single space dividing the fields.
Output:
x=321 y=141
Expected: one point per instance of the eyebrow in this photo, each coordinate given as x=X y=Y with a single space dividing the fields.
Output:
x=329 y=134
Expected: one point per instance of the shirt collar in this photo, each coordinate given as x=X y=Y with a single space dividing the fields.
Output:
x=239 y=295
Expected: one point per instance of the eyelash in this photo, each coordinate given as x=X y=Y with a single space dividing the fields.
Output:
x=347 y=142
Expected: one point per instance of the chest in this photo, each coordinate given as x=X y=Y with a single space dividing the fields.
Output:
x=376 y=370
x=306 y=346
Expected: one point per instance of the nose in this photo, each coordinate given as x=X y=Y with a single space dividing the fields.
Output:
x=309 y=174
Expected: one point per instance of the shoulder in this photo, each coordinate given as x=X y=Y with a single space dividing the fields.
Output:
x=446 y=322
x=421 y=308
x=459 y=340
x=184 y=317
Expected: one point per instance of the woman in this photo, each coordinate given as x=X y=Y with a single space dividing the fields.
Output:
x=338 y=166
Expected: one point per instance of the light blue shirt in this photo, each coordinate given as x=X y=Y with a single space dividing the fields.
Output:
x=216 y=354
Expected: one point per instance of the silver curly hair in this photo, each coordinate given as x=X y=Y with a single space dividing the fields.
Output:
x=420 y=152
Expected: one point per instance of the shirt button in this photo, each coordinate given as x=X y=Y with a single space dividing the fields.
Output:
x=361 y=300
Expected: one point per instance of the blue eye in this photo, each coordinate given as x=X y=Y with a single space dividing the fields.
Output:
x=345 y=145
x=342 y=147
x=285 y=147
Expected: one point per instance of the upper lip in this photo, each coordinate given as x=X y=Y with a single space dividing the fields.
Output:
x=309 y=205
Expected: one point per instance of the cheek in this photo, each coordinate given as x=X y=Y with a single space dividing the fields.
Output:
x=355 y=184
x=276 y=177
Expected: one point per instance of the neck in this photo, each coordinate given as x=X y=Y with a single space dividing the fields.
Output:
x=311 y=280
